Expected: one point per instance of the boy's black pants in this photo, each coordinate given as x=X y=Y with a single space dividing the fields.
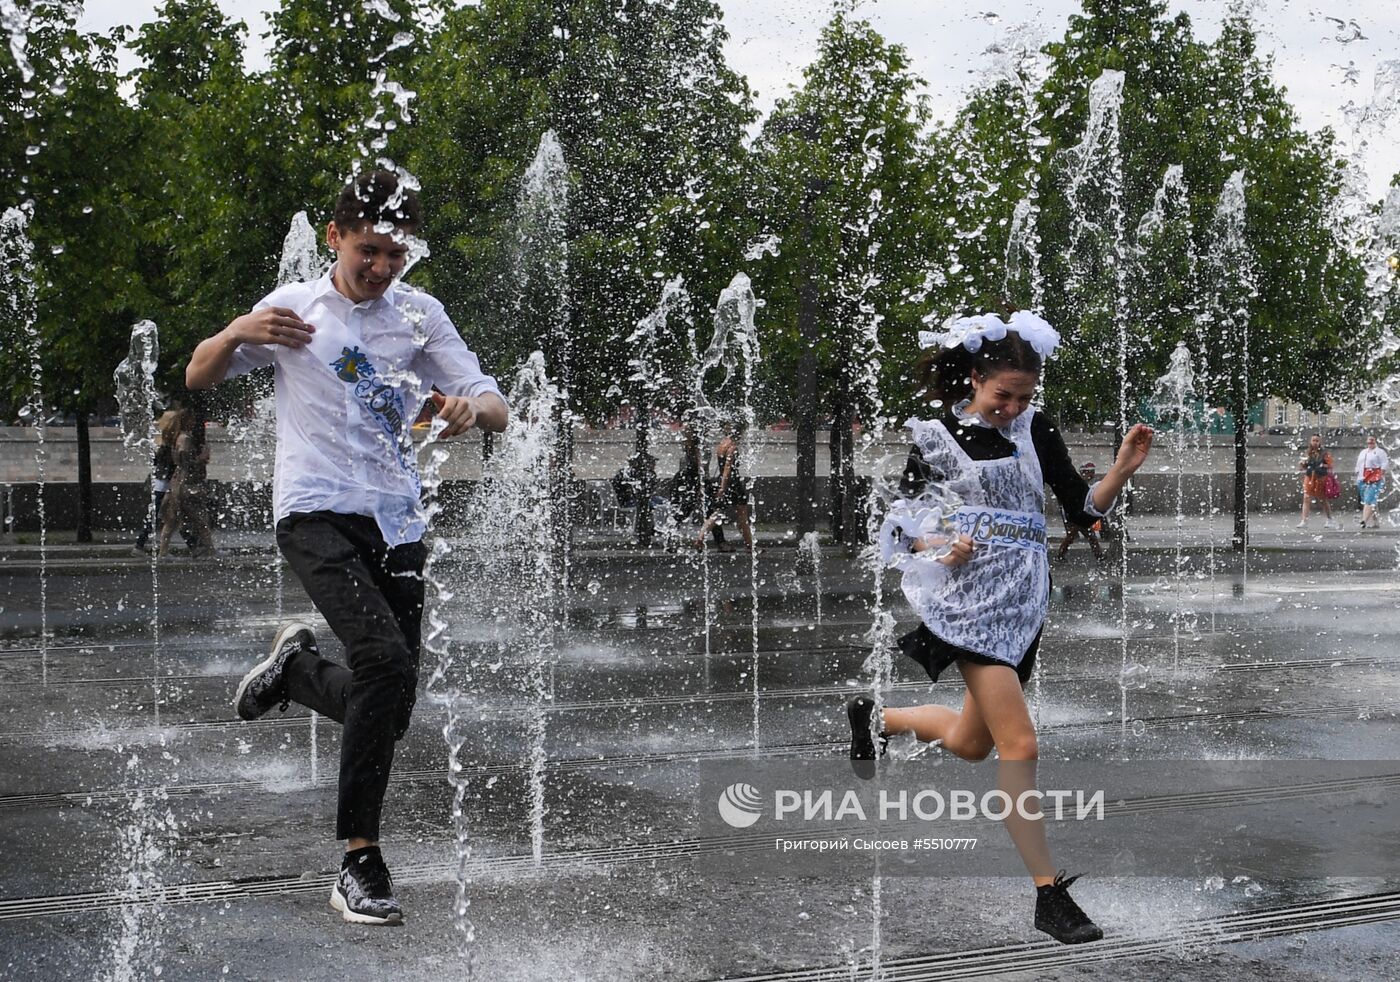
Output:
x=372 y=597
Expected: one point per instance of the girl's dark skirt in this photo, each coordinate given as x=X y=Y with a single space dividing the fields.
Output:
x=935 y=654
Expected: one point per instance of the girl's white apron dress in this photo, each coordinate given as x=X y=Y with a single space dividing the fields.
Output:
x=993 y=605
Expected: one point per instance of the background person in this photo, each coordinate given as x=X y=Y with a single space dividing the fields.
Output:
x=731 y=491
x=1073 y=531
x=691 y=488
x=186 y=506
x=162 y=471
x=1372 y=464
x=1316 y=468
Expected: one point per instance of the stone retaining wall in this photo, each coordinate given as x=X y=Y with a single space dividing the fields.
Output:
x=239 y=475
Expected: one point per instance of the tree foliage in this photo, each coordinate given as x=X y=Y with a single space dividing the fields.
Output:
x=166 y=194
x=842 y=160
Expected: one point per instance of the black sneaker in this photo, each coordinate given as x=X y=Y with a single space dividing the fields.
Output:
x=863 y=751
x=1059 y=916
x=264 y=687
x=363 y=892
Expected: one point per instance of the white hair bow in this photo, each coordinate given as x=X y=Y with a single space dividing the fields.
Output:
x=970 y=332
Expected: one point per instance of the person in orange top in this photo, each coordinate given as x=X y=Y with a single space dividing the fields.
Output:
x=1316 y=468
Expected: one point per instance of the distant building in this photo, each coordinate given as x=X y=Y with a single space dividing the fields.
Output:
x=1290 y=417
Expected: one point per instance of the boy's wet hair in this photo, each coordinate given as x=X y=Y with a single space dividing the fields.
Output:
x=376 y=198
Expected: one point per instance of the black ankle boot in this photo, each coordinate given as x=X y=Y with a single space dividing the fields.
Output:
x=863 y=750
x=1059 y=916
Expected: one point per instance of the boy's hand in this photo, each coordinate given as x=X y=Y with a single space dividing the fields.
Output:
x=272 y=325
x=459 y=412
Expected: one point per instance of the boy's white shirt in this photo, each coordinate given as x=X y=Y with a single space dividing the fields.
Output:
x=346 y=402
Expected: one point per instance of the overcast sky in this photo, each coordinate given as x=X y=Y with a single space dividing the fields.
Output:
x=1326 y=55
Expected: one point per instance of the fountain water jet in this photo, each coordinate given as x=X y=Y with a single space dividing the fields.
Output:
x=444 y=688
x=1175 y=398
x=302 y=262
x=809 y=559
x=512 y=516
x=1023 y=280
x=146 y=841
x=1096 y=168
x=738 y=305
x=135 y=378
x=1162 y=300
x=21 y=311
x=1382 y=250
x=1229 y=276
x=509 y=521
x=648 y=379
x=544 y=312
x=144 y=846
x=733 y=347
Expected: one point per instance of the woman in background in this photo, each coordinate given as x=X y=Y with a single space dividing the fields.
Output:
x=1371 y=466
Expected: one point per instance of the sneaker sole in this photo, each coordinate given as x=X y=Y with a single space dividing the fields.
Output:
x=352 y=917
x=287 y=631
x=1070 y=940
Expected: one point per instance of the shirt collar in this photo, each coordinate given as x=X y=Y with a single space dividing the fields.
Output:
x=961 y=414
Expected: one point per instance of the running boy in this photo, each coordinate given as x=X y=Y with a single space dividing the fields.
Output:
x=355 y=354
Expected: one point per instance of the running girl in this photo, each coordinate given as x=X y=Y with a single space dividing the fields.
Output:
x=983 y=600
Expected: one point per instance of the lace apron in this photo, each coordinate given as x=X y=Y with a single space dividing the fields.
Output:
x=995 y=604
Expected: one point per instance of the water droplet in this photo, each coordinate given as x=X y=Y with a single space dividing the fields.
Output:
x=1134 y=676
x=594 y=586
x=31 y=151
x=1139 y=727
x=1214 y=884
x=87 y=209
x=56 y=250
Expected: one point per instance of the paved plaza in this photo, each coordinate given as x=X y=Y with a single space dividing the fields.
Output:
x=145 y=828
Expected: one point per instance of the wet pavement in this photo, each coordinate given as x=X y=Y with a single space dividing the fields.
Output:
x=146 y=828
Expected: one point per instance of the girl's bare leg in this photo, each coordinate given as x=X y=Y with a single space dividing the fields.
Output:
x=169 y=519
x=997 y=691
x=745 y=529
x=705 y=527
x=994 y=714
x=962 y=733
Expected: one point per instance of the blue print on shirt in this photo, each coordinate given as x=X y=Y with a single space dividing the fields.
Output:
x=351 y=364
x=384 y=404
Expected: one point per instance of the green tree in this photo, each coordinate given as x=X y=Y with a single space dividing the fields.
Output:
x=82 y=174
x=1087 y=232
x=231 y=155
x=651 y=122
x=337 y=70
x=1213 y=110
x=842 y=162
x=1109 y=276
x=216 y=201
